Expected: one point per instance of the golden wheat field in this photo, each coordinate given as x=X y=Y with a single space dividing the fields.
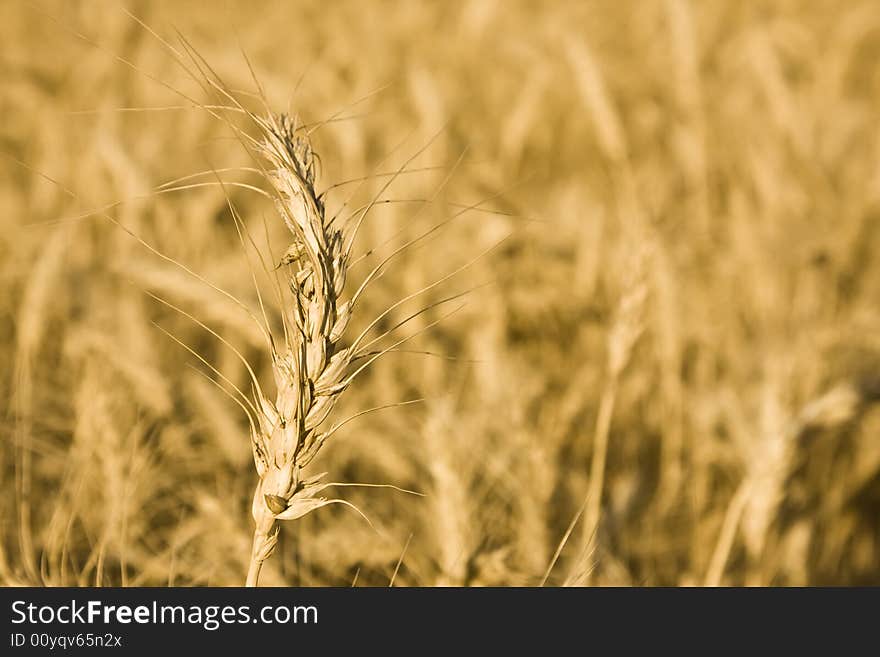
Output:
x=620 y=310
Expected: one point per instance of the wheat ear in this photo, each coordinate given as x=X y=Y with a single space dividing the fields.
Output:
x=310 y=370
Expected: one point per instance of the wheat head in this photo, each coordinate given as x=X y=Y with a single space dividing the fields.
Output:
x=310 y=370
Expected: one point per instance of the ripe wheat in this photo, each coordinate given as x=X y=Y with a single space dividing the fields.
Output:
x=311 y=370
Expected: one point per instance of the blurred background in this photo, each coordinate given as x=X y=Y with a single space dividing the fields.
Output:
x=665 y=373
